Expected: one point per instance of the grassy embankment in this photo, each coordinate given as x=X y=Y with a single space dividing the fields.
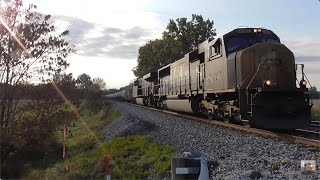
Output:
x=315 y=111
x=133 y=157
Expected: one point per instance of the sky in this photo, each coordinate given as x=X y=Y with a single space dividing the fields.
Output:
x=108 y=34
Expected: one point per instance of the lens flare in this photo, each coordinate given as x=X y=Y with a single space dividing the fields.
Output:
x=65 y=99
x=15 y=38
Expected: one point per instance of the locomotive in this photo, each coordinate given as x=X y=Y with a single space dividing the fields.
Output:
x=244 y=75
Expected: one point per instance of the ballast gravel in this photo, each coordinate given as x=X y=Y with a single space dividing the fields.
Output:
x=231 y=154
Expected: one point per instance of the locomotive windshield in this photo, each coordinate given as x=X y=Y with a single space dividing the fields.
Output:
x=242 y=41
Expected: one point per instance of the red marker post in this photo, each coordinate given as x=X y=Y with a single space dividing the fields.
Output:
x=64 y=142
x=106 y=167
x=64 y=149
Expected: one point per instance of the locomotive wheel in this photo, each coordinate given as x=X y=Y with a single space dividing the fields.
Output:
x=210 y=116
x=205 y=112
x=237 y=121
x=161 y=105
x=226 y=119
x=195 y=106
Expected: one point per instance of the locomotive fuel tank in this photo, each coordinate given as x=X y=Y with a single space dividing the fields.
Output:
x=139 y=101
x=180 y=105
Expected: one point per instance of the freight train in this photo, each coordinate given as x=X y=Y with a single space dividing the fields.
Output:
x=246 y=74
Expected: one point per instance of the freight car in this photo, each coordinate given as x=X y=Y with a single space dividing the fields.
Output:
x=246 y=74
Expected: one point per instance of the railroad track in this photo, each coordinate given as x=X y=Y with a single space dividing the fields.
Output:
x=315 y=124
x=290 y=138
x=313 y=131
x=307 y=133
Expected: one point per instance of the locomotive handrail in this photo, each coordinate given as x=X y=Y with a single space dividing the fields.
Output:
x=252 y=67
x=303 y=74
x=253 y=76
x=181 y=84
x=307 y=79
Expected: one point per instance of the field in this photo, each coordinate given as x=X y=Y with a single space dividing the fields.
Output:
x=315 y=111
x=131 y=157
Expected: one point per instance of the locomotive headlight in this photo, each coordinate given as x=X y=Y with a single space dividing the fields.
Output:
x=257 y=30
x=304 y=82
x=268 y=82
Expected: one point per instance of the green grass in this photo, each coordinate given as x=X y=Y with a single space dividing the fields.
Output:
x=136 y=157
x=133 y=157
x=315 y=111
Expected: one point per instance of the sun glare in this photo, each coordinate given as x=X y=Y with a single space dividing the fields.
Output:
x=15 y=37
x=65 y=99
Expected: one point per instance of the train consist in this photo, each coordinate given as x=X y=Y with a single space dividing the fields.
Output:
x=246 y=74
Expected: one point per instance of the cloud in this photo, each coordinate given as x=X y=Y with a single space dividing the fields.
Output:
x=307 y=52
x=311 y=69
x=136 y=33
x=114 y=42
x=312 y=64
x=119 y=13
x=120 y=44
x=78 y=28
x=308 y=59
x=94 y=40
x=304 y=46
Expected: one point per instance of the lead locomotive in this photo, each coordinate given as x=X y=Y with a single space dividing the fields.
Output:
x=246 y=74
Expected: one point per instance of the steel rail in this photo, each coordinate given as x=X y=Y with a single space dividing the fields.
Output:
x=269 y=134
x=315 y=123
x=307 y=133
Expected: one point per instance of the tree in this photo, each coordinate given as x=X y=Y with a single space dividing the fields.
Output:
x=67 y=85
x=84 y=81
x=100 y=82
x=189 y=33
x=30 y=46
x=112 y=90
x=94 y=95
x=314 y=94
x=180 y=37
x=156 y=54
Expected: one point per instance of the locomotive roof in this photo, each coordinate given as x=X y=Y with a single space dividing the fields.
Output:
x=240 y=31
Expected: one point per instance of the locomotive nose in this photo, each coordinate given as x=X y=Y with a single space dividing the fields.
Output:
x=273 y=99
x=274 y=66
x=268 y=63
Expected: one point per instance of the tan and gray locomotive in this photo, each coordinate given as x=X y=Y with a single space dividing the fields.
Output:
x=246 y=74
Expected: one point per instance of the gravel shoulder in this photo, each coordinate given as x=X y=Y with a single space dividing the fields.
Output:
x=232 y=154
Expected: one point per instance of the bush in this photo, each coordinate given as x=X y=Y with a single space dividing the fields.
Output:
x=30 y=138
x=315 y=111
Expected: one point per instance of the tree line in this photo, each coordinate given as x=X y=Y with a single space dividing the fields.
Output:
x=180 y=37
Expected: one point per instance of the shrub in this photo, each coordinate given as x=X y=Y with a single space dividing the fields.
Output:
x=30 y=138
x=315 y=111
